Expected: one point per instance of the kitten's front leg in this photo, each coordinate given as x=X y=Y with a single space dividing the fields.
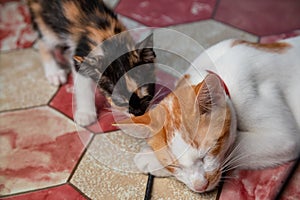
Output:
x=147 y=162
x=85 y=110
x=53 y=72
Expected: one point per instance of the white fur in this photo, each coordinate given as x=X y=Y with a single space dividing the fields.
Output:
x=264 y=98
x=265 y=92
x=84 y=88
x=146 y=162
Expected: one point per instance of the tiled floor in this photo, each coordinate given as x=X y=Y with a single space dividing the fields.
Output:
x=44 y=155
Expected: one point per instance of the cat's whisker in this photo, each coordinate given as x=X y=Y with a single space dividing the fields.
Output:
x=234 y=162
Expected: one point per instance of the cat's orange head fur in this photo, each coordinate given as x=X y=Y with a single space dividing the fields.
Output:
x=189 y=132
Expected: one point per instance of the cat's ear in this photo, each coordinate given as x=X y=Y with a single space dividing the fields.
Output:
x=210 y=93
x=145 y=49
x=146 y=125
x=135 y=126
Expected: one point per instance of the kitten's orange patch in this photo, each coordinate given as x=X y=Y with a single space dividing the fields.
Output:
x=72 y=11
x=277 y=47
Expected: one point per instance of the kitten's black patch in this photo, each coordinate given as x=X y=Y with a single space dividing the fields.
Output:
x=57 y=22
x=85 y=24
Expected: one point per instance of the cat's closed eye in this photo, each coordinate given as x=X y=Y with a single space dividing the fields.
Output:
x=175 y=166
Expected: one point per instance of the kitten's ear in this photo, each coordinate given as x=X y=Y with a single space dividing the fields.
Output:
x=210 y=93
x=145 y=49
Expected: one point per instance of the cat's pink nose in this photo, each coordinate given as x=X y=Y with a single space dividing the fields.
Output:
x=200 y=186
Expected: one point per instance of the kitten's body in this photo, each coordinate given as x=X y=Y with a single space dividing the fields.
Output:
x=75 y=30
x=201 y=131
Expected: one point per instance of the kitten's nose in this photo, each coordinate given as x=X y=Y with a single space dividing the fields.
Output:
x=200 y=186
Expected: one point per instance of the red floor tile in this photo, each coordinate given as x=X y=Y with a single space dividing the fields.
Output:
x=262 y=18
x=15 y=28
x=63 y=102
x=256 y=184
x=159 y=13
x=65 y=192
x=274 y=38
x=293 y=188
x=39 y=148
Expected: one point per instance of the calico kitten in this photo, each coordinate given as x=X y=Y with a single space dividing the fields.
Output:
x=72 y=33
x=200 y=130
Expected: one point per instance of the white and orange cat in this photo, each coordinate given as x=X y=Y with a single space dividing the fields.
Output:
x=247 y=116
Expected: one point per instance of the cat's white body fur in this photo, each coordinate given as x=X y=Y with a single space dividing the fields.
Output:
x=265 y=90
x=264 y=87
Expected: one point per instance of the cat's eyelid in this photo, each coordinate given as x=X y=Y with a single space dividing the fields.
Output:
x=175 y=166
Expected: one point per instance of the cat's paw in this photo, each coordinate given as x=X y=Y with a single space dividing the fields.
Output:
x=147 y=162
x=57 y=77
x=85 y=118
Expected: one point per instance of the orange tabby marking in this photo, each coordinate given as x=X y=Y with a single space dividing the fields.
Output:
x=276 y=47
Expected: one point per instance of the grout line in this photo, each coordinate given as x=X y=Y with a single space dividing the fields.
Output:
x=236 y=28
x=80 y=158
x=20 y=109
x=54 y=95
x=79 y=191
x=290 y=174
x=31 y=191
x=216 y=7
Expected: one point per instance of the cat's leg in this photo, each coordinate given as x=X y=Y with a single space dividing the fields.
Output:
x=147 y=162
x=54 y=73
x=84 y=91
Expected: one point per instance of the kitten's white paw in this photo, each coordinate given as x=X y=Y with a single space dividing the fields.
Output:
x=85 y=118
x=57 y=77
x=147 y=162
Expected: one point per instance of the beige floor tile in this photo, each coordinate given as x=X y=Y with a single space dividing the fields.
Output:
x=99 y=182
x=170 y=188
x=107 y=171
x=111 y=3
x=181 y=44
x=22 y=80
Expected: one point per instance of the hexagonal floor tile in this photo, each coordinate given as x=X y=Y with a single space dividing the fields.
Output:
x=166 y=12
x=260 y=17
x=22 y=81
x=39 y=148
x=15 y=28
x=111 y=3
x=293 y=186
x=55 y=193
x=107 y=171
x=274 y=38
x=191 y=39
x=257 y=184
x=63 y=102
x=99 y=182
x=170 y=188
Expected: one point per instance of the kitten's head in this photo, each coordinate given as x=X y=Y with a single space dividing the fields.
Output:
x=189 y=132
x=123 y=71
